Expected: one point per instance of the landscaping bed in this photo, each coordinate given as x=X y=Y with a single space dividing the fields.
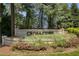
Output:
x=45 y=45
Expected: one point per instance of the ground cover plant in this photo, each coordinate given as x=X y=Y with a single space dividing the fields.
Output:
x=51 y=39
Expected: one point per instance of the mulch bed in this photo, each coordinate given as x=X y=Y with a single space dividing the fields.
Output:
x=5 y=50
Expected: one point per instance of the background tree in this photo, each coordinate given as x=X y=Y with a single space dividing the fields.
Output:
x=74 y=9
x=50 y=10
x=0 y=23
x=63 y=14
x=29 y=15
x=74 y=13
x=12 y=20
x=41 y=15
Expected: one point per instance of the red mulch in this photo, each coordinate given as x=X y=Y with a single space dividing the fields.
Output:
x=5 y=50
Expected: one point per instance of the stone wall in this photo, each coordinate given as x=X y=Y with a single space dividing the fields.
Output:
x=25 y=32
x=20 y=32
x=6 y=40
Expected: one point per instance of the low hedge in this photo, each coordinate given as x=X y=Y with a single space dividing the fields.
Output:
x=73 y=30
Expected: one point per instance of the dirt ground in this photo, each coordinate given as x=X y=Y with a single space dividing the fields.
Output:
x=5 y=50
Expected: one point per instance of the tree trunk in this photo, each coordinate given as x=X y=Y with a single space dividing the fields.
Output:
x=27 y=22
x=0 y=23
x=41 y=17
x=12 y=20
x=49 y=22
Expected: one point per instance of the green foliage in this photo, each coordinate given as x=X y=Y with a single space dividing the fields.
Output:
x=73 y=30
x=6 y=22
x=54 y=40
x=74 y=9
x=67 y=24
x=55 y=13
x=6 y=28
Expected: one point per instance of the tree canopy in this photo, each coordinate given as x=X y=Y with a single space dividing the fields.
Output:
x=41 y=15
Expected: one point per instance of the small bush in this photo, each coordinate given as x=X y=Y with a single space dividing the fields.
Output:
x=63 y=40
x=57 y=40
x=73 y=30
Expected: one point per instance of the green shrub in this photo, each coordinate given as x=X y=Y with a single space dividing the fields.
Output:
x=57 y=40
x=73 y=30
